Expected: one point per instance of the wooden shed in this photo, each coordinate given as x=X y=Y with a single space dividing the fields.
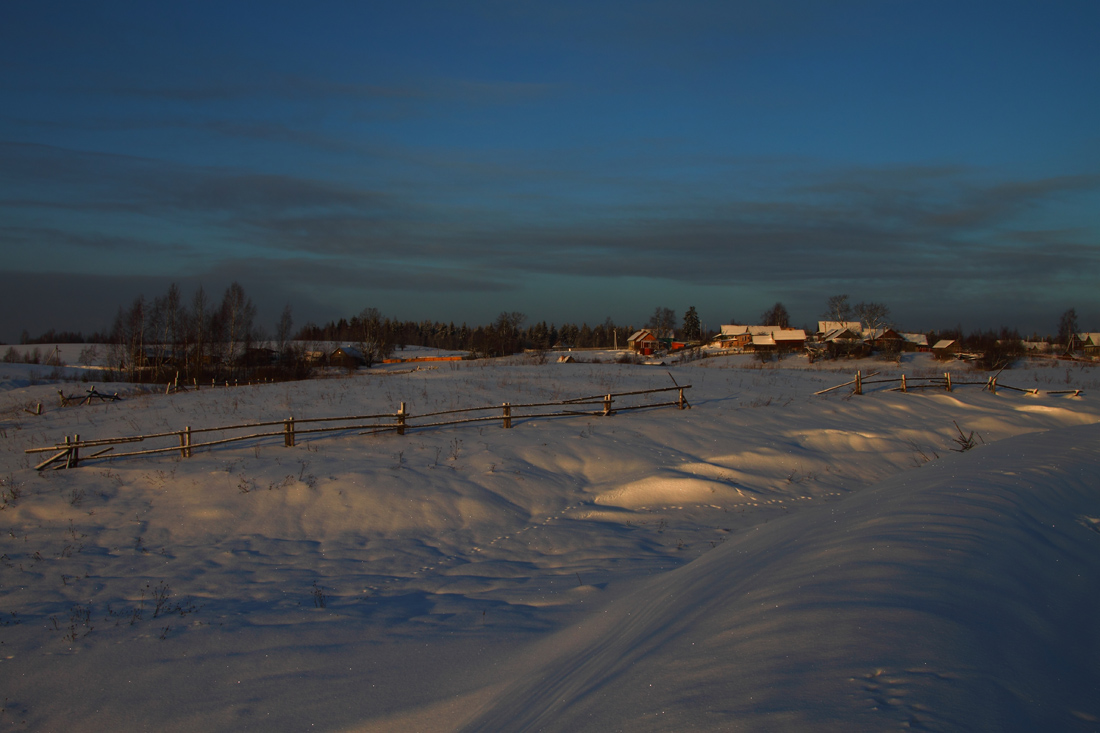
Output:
x=945 y=348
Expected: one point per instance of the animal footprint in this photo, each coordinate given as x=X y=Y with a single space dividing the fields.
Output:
x=905 y=695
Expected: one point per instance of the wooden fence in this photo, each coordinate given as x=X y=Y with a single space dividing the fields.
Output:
x=946 y=382
x=401 y=421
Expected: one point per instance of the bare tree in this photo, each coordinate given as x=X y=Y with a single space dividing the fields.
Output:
x=237 y=313
x=507 y=326
x=776 y=316
x=198 y=330
x=838 y=308
x=663 y=322
x=165 y=326
x=128 y=336
x=872 y=316
x=371 y=334
x=283 y=329
x=1067 y=328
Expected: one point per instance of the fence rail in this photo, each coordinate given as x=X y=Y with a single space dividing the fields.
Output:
x=291 y=428
x=946 y=383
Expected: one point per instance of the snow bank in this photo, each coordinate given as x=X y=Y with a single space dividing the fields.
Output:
x=961 y=596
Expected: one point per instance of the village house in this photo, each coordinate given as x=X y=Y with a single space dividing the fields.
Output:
x=824 y=327
x=1089 y=343
x=735 y=336
x=883 y=339
x=643 y=342
x=762 y=343
x=257 y=356
x=789 y=339
x=914 y=342
x=347 y=357
x=840 y=332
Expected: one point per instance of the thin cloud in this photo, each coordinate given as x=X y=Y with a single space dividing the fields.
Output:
x=905 y=226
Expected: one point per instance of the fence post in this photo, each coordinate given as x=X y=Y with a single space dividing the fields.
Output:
x=947 y=380
x=859 y=382
x=993 y=385
x=903 y=383
x=681 y=401
x=507 y=415
x=187 y=433
x=288 y=432
x=183 y=442
x=607 y=405
x=401 y=420
x=74 y=454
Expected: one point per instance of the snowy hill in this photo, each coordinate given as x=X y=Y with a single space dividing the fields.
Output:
x=768 y=559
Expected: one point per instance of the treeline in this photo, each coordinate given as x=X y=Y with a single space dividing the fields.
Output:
x=506 y=335
x=64 y=337
x=200 y=339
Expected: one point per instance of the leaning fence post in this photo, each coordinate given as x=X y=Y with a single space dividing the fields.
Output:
x=288 y=432
x=401 y=420
x=859 y=382
x=947 y=380
x=507 y=415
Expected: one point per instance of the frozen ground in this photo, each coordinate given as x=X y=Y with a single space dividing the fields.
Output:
x=768 y=560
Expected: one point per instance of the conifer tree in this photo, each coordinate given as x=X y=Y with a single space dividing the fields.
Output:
x=691 y=325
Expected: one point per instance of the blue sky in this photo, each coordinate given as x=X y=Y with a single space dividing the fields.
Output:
x=569 y=160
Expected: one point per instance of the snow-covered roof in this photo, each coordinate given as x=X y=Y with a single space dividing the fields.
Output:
x=739 y=330
x=641 y=335
x=919 y=339
x=763 y=340
x=944 y=344
x=1089 y=338
x=789 y=334
x=880 y=332
x=840 y=333
x=826 y=326
x=349 y=351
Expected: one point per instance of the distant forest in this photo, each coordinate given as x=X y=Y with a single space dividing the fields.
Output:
x=206 y=339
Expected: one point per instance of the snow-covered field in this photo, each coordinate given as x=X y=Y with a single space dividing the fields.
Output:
x=767 y=560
